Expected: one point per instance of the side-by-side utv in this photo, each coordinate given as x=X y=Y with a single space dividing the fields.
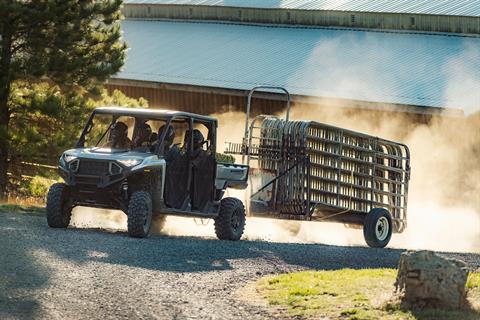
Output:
x=147 y=163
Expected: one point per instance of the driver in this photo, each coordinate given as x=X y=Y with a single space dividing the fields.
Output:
x=118 y=138
x=170 y=151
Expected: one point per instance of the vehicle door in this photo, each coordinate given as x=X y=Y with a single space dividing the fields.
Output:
x=203 y=166
x=178 y=168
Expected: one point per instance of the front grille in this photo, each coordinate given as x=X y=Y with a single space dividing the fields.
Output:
x=115 y=168
x=93 y=167
x=87 y=180
x=73 y=165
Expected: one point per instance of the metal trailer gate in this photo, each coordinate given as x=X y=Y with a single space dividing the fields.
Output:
x=305 y=170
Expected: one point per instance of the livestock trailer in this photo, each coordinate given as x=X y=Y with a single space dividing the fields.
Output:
x=311 y=171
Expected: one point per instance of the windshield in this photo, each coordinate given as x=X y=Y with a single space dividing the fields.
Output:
x=122 y=133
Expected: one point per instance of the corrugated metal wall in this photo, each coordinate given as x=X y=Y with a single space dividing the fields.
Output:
x=469 y=8
x=351 y=19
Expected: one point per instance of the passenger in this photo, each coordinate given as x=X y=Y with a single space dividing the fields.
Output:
x=153 y=138
x=201 y=171
x=118 y=138
x=170 y=151
x=142 y=137
x=198 y=153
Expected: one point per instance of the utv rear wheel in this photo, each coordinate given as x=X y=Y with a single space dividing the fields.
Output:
x=139 y=214
x=377 y=228
x=230 y=223
x=59 y=206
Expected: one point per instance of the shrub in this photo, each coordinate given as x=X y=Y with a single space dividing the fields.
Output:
x=227 y=158
x=37 y=187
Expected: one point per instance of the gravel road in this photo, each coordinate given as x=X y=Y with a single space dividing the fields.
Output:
x=96 y=274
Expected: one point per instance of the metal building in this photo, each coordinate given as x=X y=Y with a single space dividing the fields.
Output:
x=203 y=56
x=461 y=16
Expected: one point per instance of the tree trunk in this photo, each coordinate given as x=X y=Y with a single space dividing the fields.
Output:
x=5 y=85
x=4 y=143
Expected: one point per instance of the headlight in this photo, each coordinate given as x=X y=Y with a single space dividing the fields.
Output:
x=68 y=157
x=130 y=162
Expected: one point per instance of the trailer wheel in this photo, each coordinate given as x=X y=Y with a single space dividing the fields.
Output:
x=377 y=228
x=59 y=206
x=230 y=222
x=139 y=214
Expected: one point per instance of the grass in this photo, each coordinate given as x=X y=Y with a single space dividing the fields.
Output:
x=473 y=281
x=351 y=294
x=23 y=208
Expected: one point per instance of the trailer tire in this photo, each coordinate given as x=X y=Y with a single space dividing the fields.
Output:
x=377 y=228
x=230 y=222
x=139 y=214
x=59 y=206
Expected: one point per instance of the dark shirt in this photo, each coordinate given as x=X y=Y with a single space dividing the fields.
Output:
x=119 y=144
x=198 y=157
x=171 y=153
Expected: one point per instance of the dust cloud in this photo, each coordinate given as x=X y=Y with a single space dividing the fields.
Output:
x=443 y=205
x=463 y=87
x=85 y=217
x=444 y=194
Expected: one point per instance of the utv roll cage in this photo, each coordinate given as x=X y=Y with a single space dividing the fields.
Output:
x=153 y=114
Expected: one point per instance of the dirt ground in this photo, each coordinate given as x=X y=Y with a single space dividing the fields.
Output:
x=97 y=274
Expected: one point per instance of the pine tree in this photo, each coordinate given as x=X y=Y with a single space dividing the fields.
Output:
x=74 y=44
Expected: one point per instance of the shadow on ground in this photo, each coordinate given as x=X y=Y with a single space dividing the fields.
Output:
x=19 y=272
x=185 y=254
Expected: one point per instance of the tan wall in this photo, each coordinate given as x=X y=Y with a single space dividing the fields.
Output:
x=397 y=21
x=210 y=103
x=197 y=102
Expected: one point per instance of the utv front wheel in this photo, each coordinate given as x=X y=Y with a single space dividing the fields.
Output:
x=230 y=223
x=139 y=214
x=59 y=206
x=377 y=228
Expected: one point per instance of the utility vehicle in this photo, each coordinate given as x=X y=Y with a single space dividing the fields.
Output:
x=147 y=173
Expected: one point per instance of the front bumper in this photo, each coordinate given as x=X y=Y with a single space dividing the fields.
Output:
x=93 y=173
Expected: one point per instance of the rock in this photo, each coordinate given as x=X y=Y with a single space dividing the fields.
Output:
x=427 y=280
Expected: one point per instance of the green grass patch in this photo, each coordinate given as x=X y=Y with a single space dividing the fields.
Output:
x=473 y=281
x=33 y=210
x=350 y=294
